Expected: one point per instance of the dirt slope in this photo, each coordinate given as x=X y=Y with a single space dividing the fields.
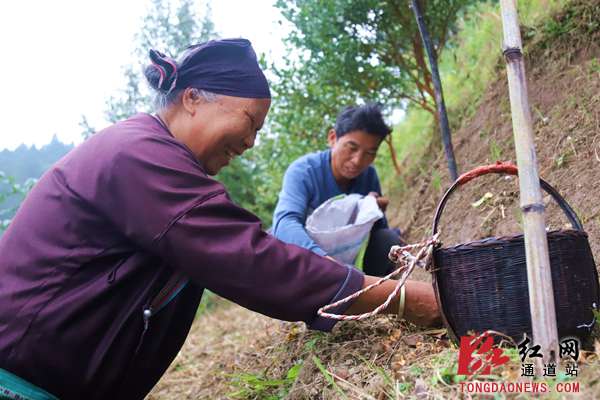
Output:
x=564 y=93
x=234 y=353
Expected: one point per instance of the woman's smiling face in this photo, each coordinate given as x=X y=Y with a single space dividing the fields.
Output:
x=224 y=128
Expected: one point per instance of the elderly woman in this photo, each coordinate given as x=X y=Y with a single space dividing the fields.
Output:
x=103 y=267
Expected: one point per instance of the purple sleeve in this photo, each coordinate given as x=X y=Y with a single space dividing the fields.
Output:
x=223 y=248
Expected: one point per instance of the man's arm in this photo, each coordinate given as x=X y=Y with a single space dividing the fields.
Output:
x=292 y=209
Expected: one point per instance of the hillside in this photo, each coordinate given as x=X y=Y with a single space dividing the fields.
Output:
x=23 y=164
x=31 y=162
x=564 y=92
x=234 y=353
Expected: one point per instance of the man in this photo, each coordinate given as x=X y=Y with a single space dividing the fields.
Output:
x=346 y=167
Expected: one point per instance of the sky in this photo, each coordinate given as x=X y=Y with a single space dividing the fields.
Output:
x=63 y=59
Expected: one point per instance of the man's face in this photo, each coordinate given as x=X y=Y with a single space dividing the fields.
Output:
x=352 y=153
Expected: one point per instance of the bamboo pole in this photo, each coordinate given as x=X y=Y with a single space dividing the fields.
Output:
x=439 y=95
x=541 y=297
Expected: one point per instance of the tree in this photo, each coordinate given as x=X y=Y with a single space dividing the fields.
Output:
x=169 y=26
x=442 y=116
x=344 y=51
x=21 y=169
x=11 y=195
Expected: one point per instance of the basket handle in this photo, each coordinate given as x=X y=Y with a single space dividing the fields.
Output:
x=510 y=169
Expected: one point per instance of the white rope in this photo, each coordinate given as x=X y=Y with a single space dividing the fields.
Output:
x=405 y=262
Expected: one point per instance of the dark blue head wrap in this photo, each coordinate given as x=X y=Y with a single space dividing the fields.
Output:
x=227 y=66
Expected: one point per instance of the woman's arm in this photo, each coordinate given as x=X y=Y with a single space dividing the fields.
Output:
x=420 y=305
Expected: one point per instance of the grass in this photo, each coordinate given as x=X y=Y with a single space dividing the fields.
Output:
x=209 y=301
x=250 y=386
x=328 y=377
x=436 y=181
x=495 y=151
x=466 y=71
x=594 y=66
x=375 y=359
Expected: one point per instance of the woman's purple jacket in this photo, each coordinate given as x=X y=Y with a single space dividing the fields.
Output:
x=98 y=237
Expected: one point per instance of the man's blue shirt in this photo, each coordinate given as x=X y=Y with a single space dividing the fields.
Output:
x=308 y=183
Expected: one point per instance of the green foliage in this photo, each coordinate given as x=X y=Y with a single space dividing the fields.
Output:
x=466 y=71
x=367 y=50
x=353 y=52
x=86 y=129
x=580 y=19
x=594 y=66
x=20 y=170
x=208 y=302
x=312 y=344
x=343 y=52
x=596 y=315
x=495 y=151
x=328 y=377
x=404 y=387
x=169 y=26
x=561 y=160
x=11 y=190
x=240 y=178
x=410 y=139
x=253 y=386
x=436 y=181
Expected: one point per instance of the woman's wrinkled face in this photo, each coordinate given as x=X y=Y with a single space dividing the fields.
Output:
x=224 y=129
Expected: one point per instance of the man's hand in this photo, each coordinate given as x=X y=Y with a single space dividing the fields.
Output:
x=382 y=201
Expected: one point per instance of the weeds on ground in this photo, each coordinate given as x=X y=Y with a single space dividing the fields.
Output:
x=466 y=72
x=259 y=386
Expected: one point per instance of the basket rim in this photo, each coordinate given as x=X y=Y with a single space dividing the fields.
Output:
x=503 y=168
x=498 y=240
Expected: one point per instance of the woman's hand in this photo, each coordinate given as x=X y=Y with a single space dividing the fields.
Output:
x=420 y=305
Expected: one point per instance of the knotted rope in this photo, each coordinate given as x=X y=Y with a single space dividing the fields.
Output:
x=405 y=263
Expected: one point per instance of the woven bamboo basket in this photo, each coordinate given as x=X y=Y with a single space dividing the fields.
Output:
x=482 y=285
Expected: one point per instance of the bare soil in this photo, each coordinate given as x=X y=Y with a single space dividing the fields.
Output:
x=564 y=95
x=234 y=353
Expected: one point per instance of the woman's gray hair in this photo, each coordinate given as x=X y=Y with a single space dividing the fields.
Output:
x=163 y=100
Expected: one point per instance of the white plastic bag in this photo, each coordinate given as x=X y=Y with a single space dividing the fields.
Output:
x=342 y=224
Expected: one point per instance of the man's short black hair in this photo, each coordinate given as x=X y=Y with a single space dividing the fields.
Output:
x=366 y=118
